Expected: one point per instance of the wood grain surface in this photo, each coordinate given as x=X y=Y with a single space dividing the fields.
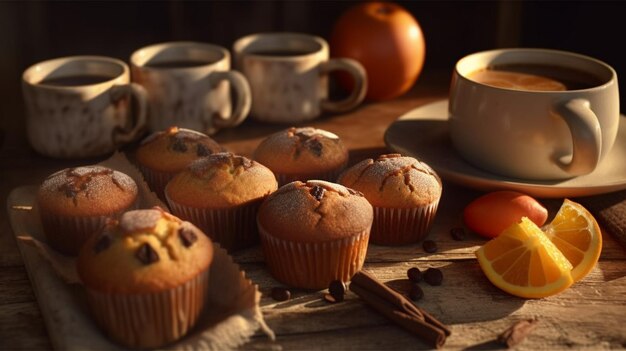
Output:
x=589 y=315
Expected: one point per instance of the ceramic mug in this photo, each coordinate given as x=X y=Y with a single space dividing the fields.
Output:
x=288 y=75
x=189 y=85
x=526 y=132
x=78 y=106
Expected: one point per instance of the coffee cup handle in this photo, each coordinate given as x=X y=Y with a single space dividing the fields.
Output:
x=120 y=135
x=358 y=74
x=242 y=93
x=586 y=137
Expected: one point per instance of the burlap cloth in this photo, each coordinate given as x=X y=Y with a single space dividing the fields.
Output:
x=232 y=317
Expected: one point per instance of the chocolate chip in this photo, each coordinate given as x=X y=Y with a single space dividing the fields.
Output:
x=280 y=294
x=337 y=289
x=179 y=145
x=416 y=293
x=146 y=254
x=202 y=150
x=187 y=236
x=414 y=274
x=458 y=234
x=433 y=276
x=102 y=244
x=318 y=192
x=315 y=146
x=429 y=246
x=68 y=190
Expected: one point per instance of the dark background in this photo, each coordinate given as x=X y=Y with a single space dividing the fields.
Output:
x=32 y=31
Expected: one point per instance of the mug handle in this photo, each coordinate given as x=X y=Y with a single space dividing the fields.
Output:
x=242 y=94
x=358 y=74
x=122 y=136
x=586 y=137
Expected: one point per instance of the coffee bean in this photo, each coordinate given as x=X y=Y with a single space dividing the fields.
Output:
x=429 y=246
x=414 y=274
x=280 y=294
x=330 y=299
x=458 y=234
x=337 y=289
x=433 y=276
x=416 y=292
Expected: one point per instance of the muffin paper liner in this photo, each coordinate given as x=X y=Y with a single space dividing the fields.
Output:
x=156 y=180
x=399 y=226
x=313 y=265
x=150 y=320
x=234 y=228
x=75 y=230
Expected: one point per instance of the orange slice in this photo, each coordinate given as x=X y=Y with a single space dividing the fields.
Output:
x=577 y=235
x=524 y=262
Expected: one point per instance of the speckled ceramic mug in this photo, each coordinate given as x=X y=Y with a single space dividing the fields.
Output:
x=288 y=75
x=79 y=106
x=189 y=85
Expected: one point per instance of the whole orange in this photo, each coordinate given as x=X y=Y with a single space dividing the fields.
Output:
x=490 y=214
x=387 y=40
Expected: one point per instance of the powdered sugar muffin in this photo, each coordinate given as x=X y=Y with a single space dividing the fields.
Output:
x=146 y=277
x=220 y=194
x=163 y=154
x=405 y=194
x=75 y=202
x=315 y=232
x=302 y=154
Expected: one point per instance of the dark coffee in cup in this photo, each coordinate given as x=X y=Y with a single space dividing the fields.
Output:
x=280 y=52
x=535 y=77
x=75 y=80
x=178 y=64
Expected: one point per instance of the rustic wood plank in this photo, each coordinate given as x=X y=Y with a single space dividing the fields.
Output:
x=476 y=311
x=22 y=327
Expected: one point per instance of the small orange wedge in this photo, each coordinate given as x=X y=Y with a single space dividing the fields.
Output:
x=577 y=235
x=524 y=262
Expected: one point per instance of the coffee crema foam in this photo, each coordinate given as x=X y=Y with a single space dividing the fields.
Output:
x=516 y=80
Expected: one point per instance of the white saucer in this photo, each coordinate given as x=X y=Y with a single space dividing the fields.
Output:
x=423 y=133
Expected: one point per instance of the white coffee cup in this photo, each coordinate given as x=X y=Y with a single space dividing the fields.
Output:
x=288 y=75
x=78 y=106
x=533 y=134
x=189 y=85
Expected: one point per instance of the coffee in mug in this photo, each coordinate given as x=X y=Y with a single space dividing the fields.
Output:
x=79 y=106
x=535 y=77
x=288 y=75
x=534 y=114
x=189 y=86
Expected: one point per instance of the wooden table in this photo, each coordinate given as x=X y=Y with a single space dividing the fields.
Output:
x=589 y=315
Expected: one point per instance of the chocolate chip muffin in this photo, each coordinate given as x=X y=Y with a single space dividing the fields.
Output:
x=163 y=154
x=221 y=194
x=405 y=194
x=303 y=154
x=146 y=277
x=75 y=202
x=315 y=232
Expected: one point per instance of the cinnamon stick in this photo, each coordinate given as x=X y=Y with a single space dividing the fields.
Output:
x=400 y=310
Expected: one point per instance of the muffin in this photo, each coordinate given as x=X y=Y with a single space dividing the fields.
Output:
x=303 y=154
x=315 y=232
x=221 y=194
x=146 y=277
x=74 y=203
x=405 y=194
x=163 y=154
